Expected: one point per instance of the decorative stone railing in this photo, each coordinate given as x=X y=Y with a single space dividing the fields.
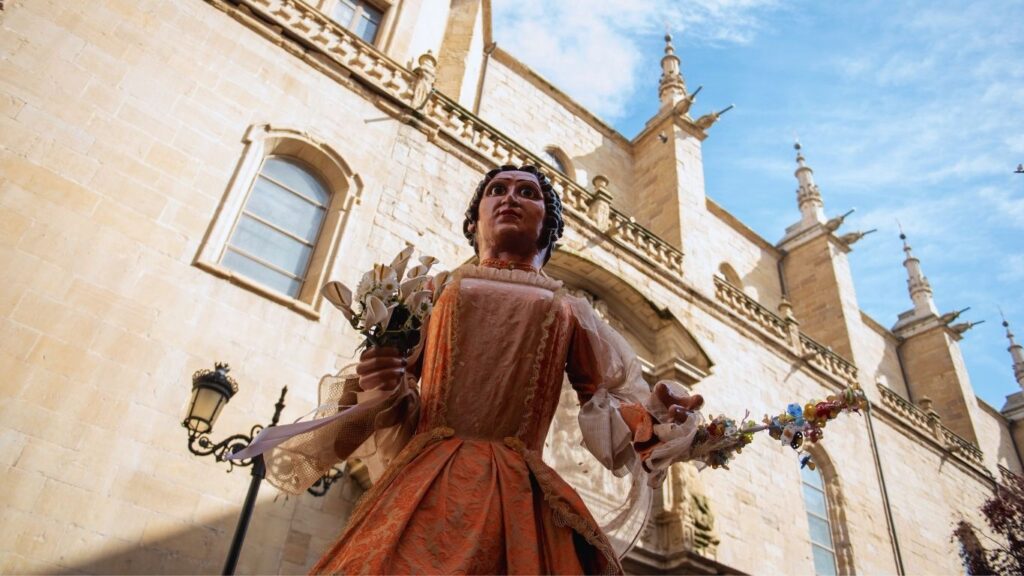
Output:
x=961 y=445
x=319 y=34
x=824 y=358
x=785 y=332
x=750 y=309
x=904 y=408
x=928 y=422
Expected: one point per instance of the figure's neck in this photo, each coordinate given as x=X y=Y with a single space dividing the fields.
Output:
x=511 y=260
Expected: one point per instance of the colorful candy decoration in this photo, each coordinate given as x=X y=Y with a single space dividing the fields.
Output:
x=721 y=438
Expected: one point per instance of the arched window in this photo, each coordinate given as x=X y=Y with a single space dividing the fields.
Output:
x=278 y=227
x=554 y=160
x=276 y=233
x=730 y=275
x=822 y=549
x=554 y=156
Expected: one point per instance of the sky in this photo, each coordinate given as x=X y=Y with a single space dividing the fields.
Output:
x=907 y=111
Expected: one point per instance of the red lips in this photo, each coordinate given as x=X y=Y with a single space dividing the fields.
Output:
x=508 y=212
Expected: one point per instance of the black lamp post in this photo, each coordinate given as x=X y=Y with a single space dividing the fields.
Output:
x=211 y=390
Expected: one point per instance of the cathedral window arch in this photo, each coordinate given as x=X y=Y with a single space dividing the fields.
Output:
x=278 y=227
x=831 y=551
x=729 y=274
x=558 y=159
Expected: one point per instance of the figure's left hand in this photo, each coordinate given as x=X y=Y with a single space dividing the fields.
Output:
x=679 y=407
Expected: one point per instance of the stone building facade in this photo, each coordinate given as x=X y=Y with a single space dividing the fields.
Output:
x=131 y=137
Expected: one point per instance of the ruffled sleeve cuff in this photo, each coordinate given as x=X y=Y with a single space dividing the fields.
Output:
x=673 y=442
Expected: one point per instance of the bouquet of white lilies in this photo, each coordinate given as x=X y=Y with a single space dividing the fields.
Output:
x=386 y=309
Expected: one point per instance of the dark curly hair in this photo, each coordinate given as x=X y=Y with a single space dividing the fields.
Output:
x=554 y=225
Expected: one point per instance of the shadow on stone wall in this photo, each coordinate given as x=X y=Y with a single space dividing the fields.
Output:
x=285 y=536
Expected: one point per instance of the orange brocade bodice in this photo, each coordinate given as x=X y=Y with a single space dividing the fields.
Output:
x=469 y=493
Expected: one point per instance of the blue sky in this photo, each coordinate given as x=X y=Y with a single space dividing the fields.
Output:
x=911 y=111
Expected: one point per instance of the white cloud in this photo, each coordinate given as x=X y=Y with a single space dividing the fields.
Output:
x=590 y=49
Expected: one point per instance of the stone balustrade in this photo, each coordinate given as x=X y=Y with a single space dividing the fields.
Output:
x=818 y=355
x=751 y=310
x=929 y=423
x=824 y=358
x=961 y=446
x=319 y=33
x=904 y=409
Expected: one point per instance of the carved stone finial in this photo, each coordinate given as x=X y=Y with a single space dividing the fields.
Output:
x=600 y=208
x=1016 y=353
x=917 y=284
x=424 y=74
x=671 y=87
x=925 y=403
x=808 y=196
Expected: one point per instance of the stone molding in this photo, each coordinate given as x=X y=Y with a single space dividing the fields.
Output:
x=327 y=45
x=785 y=332
x=926 y=423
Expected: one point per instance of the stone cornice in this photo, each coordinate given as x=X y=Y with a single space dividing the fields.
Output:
x=306 y=32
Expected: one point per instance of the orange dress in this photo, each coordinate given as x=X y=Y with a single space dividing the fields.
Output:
x=466 y=491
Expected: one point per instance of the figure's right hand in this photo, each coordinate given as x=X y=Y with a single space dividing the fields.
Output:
x=679 y=407
x=380 y=368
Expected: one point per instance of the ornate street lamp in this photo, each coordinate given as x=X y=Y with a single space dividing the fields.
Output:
x=211 y=390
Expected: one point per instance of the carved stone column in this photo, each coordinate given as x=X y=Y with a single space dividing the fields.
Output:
x=601 y=206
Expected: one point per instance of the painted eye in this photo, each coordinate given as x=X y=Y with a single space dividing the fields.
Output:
x=528 y=192
x=496 y=190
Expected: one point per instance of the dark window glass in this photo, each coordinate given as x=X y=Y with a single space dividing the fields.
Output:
x=358 y=16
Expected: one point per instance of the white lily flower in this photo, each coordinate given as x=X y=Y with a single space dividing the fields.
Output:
x=340 y=296
x=428 y=261
x=440 y=280
x=364 y=287
x=417 y=271
x=412 y=285
x=337 y=294
x=376 y=311
x=400 y=261
x=420 y=303
x=387 y=318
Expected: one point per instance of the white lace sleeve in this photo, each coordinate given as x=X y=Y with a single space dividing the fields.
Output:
x=373 y=426
x=607 y=376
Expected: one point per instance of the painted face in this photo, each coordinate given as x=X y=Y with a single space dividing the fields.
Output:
x=512 y=211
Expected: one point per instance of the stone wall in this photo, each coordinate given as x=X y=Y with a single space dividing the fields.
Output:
x=519 y=103
x=878 y=359
x=121 y=130
x=122 y=125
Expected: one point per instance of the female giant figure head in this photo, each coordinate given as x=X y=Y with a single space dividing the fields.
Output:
x=515 y=215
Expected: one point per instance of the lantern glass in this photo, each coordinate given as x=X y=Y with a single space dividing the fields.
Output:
x=204 y=408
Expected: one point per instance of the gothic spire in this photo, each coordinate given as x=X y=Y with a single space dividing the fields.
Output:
x=672 y=87
x=917 y=284
x=808 y=197
x=1016 y=353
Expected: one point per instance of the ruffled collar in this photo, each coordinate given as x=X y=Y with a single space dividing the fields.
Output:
x=505 y=265
x=504 y=275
